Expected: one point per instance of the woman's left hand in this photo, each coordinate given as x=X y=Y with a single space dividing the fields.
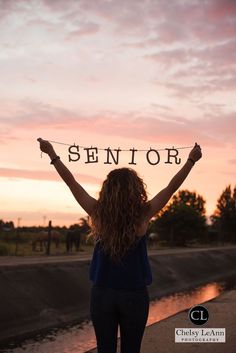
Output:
x=196 y=153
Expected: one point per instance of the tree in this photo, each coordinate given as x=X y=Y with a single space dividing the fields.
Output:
x=9 y=225
x=224 y=217
x=183 y=219
x=1 y=224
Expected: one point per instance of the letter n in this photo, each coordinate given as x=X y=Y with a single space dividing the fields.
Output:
x=110 y=154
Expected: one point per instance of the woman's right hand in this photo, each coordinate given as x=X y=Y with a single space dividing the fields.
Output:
x=45 y=146
x=196 y=152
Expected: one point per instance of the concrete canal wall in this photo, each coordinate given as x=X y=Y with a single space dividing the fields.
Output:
x=35 y=296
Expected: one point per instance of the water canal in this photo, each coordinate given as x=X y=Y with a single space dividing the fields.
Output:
x=81 y=338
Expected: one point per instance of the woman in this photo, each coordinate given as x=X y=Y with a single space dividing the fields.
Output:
x=120 y=270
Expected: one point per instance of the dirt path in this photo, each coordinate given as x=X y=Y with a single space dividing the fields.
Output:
x=44 y=259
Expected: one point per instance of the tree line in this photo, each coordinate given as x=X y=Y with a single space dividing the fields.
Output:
x=183 y=220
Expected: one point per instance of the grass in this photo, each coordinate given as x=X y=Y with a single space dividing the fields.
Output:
x=24 y=246
x=21 y=245
x=25 y=249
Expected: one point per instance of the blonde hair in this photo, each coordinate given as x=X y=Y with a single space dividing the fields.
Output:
x=121 y=203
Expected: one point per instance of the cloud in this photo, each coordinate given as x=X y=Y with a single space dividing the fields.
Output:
x=202 y=21
x=193 y=71
x=219 y=55
x=190 y=22
x=218 y=9
x=215 y=127
x=196 y=35
x=8 y=6
x=222 y=128
x=44 y=175
x=86 y=29
x=61 y=6
x=124 y=16
x=169 y=57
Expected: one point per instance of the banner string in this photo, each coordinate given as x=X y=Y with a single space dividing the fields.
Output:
x=112 y=149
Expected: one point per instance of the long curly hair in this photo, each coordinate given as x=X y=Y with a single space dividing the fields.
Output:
x=120 y=206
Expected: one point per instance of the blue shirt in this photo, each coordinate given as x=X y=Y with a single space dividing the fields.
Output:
x=133 y=272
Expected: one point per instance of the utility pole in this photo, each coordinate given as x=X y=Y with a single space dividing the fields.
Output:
x=44 y=220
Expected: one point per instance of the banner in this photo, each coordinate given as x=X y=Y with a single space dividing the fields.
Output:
x=114 y=156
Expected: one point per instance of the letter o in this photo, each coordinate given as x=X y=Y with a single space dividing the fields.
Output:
x=157 y=154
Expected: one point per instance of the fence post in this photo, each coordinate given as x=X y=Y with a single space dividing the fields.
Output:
x=17 y=235
x=49 y=237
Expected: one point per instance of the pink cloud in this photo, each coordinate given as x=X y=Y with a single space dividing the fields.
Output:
x=7 y=6
x=166 y=126
x=210 y=20
x=44 y=175
x=61 y=6
x=40 y=23
x=223 y=128
x=170 y=57
x=189 y=22
x=218 y=9
x=210 y=69
x=88 y=28
x=222 y=55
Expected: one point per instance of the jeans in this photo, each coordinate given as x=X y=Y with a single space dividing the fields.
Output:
x=127 y=308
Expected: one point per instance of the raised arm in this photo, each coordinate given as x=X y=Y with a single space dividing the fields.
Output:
x=161 y=199
x=82 y=197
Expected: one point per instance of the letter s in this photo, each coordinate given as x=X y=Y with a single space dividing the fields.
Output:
x=77 y=155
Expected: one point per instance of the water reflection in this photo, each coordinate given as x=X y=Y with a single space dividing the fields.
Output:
x=168 y=306
x=81 y=338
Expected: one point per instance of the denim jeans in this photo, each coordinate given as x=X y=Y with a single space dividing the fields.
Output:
x=127 y=308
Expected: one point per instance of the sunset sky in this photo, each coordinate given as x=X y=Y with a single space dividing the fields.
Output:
x=118 y=73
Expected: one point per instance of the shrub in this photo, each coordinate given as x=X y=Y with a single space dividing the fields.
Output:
x=3 y=250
